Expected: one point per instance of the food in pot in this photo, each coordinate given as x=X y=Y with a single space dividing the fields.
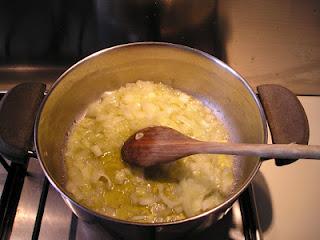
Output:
x=100 y=180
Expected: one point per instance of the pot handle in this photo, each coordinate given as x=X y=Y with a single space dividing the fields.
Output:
x=18 y=110
x=286 y=117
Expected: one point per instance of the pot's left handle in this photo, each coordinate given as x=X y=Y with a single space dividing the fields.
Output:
x=18 y=110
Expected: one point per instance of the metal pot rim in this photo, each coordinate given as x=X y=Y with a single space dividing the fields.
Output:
x=227 y=202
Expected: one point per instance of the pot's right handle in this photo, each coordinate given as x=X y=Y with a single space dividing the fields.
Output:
x=286 y=117
x=18 y=110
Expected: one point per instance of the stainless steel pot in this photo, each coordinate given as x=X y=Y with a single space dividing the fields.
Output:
x=190 y=70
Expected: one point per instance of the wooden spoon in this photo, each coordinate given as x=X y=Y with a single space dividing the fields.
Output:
x=156 y=145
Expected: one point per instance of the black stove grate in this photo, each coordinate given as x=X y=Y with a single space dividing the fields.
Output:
x=42 y=203
x=4 y=164
x=10 y=196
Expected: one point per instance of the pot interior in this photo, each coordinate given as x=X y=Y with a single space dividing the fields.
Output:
x=191 y=71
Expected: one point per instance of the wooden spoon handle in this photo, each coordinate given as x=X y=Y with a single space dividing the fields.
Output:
x=286 y=151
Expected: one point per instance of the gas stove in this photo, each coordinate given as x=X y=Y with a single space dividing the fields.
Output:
x=39 y=40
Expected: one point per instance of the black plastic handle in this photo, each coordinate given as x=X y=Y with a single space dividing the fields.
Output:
x=18 y=110
x=286 y=117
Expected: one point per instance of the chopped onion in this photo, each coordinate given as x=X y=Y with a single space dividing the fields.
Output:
x=167 y=201
x=97 y=175
x=178 y=209
x=120 y=176
x=96 y=150
x=208 y=203
x=109 y=211
x=147 y=201
x=104 y=178
x=134 y=198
